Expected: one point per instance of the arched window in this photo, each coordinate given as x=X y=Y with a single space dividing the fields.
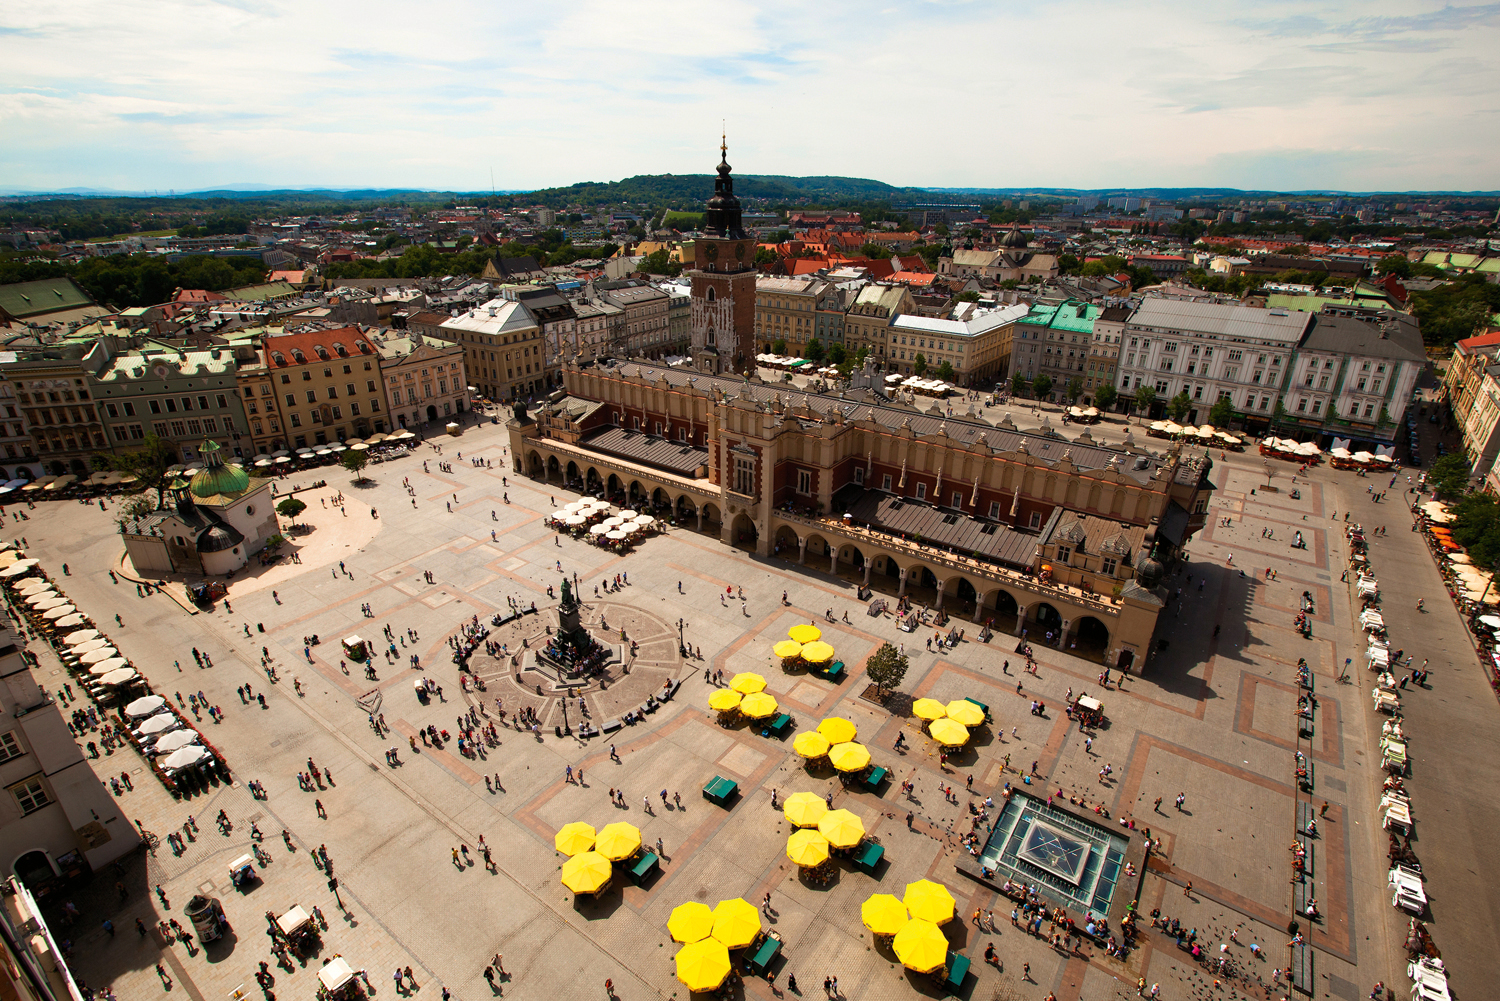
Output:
x=710 y=295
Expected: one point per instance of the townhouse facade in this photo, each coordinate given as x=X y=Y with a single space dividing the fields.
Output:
x=183 y=397
x=424 y=380
x=503 y=349
x=871 y=313
x=327 y=385
x=786 y=309
x=968 y=352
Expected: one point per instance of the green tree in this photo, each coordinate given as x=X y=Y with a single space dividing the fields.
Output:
x=1394 y=264
x=1105 y=396
x=1278 y=412
x=886 y=668
x=815 y=351
x=875 y=251
x=659 y=262
x=1221 y=413
x=1179 y=405
x=837 y=355
x=1074 y=390
x=1041 y=386
x=148 y=464
x=1018 y=385
x=778 y=346
x=1449 y=476
x=1384 y=420
x=290 y=508
x=969 y=296
x=1476 y=526
x=133 y=509
x=1145 y=396
x=945 y=371
x=765 y=258
x=355 y=460
x=920 y=365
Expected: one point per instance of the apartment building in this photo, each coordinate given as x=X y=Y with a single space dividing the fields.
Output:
x=424 y=380
x=967 y=352
x=871 y=313
x=1057 y=339
x=1104 y=349
x=786 y=309
x=58 y=822
x=503 y=346
x=183 y=397
x=327 y=384
x=1354 y=376
x=644 y=322
x=1211 y=350
x=51 y=388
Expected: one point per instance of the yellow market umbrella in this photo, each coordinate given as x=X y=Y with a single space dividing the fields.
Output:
x=574 y=839
x=804 y=809
x=787 y=649
x=811 y=744
x=842 y=828
x=849 y=756
x=805 y=633
x=929 y=709
x=747 y=684
x=949 y=733
x=758 y=705
x=817 y=653
x=921 y=946
x=965 y=712
x=618 y=841
x=724 y=699
x=691 y=922
x=587 y=873
x=702 y=966
x=837 y=730
x=736 y=923
x=929 y=901
x=883 y=914
x=807 y=848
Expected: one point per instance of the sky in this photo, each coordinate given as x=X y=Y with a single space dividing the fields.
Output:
x=193 y=94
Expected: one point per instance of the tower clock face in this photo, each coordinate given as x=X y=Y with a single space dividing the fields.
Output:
x=713 y=251
x=739 y=251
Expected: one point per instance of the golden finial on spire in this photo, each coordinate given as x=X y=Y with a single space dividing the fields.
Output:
x=724 y=141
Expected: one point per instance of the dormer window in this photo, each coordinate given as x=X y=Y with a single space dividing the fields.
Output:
x=343 y=351
x=278 y=357
x=301 y=358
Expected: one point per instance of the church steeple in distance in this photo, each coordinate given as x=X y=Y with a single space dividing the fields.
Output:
x=722 y=218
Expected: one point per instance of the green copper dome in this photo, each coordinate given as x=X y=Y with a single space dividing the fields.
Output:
x=217 y=478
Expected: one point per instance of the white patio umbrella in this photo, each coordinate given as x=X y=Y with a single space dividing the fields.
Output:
x=615 y=535
x=79 y=649
x=46 y=599
x=81 y=636
x=34 y=584
x=120 y=677
x=176 y=739
x=104 y=667
x=631 y=526
x=645 y=521
x=575 y=520
x=60 y=612
x=574 y=507
x=71 y=620
x=283 y=458
x=100 y=655
x=185 y=757
x=613 y=521
x=361 y=447
x=599 y=530
x=160 y=723
x=145 y=706
x=628 y=515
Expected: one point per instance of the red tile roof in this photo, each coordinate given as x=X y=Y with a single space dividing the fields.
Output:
x=283 y=350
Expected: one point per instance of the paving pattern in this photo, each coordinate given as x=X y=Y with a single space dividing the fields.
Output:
x=1212 y=717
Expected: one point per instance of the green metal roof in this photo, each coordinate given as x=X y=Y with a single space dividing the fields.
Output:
x=47 y=295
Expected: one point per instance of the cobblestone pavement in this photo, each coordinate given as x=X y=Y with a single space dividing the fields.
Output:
x=1212 y=718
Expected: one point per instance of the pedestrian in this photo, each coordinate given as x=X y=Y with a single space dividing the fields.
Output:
x=318 y=803
x=1187 y=891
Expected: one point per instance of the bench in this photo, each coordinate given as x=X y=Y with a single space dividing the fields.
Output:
x=779 y=726
x=868 y=857
x=1306 y=781
x=1299 y=896
x=1307 y=848
x=874 y=777
x=719 y=789
x=610 y=726
x=958 y=969
x=769 y=947
x=644 y=867
x=1302 y=969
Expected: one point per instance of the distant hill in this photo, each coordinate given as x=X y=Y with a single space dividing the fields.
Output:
x=684 y=191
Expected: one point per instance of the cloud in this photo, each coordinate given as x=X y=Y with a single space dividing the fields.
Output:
x=187 y=93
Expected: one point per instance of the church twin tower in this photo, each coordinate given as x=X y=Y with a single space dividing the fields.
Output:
x=723 y=283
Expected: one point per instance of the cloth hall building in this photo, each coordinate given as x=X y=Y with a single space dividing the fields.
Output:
x=986 y=523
